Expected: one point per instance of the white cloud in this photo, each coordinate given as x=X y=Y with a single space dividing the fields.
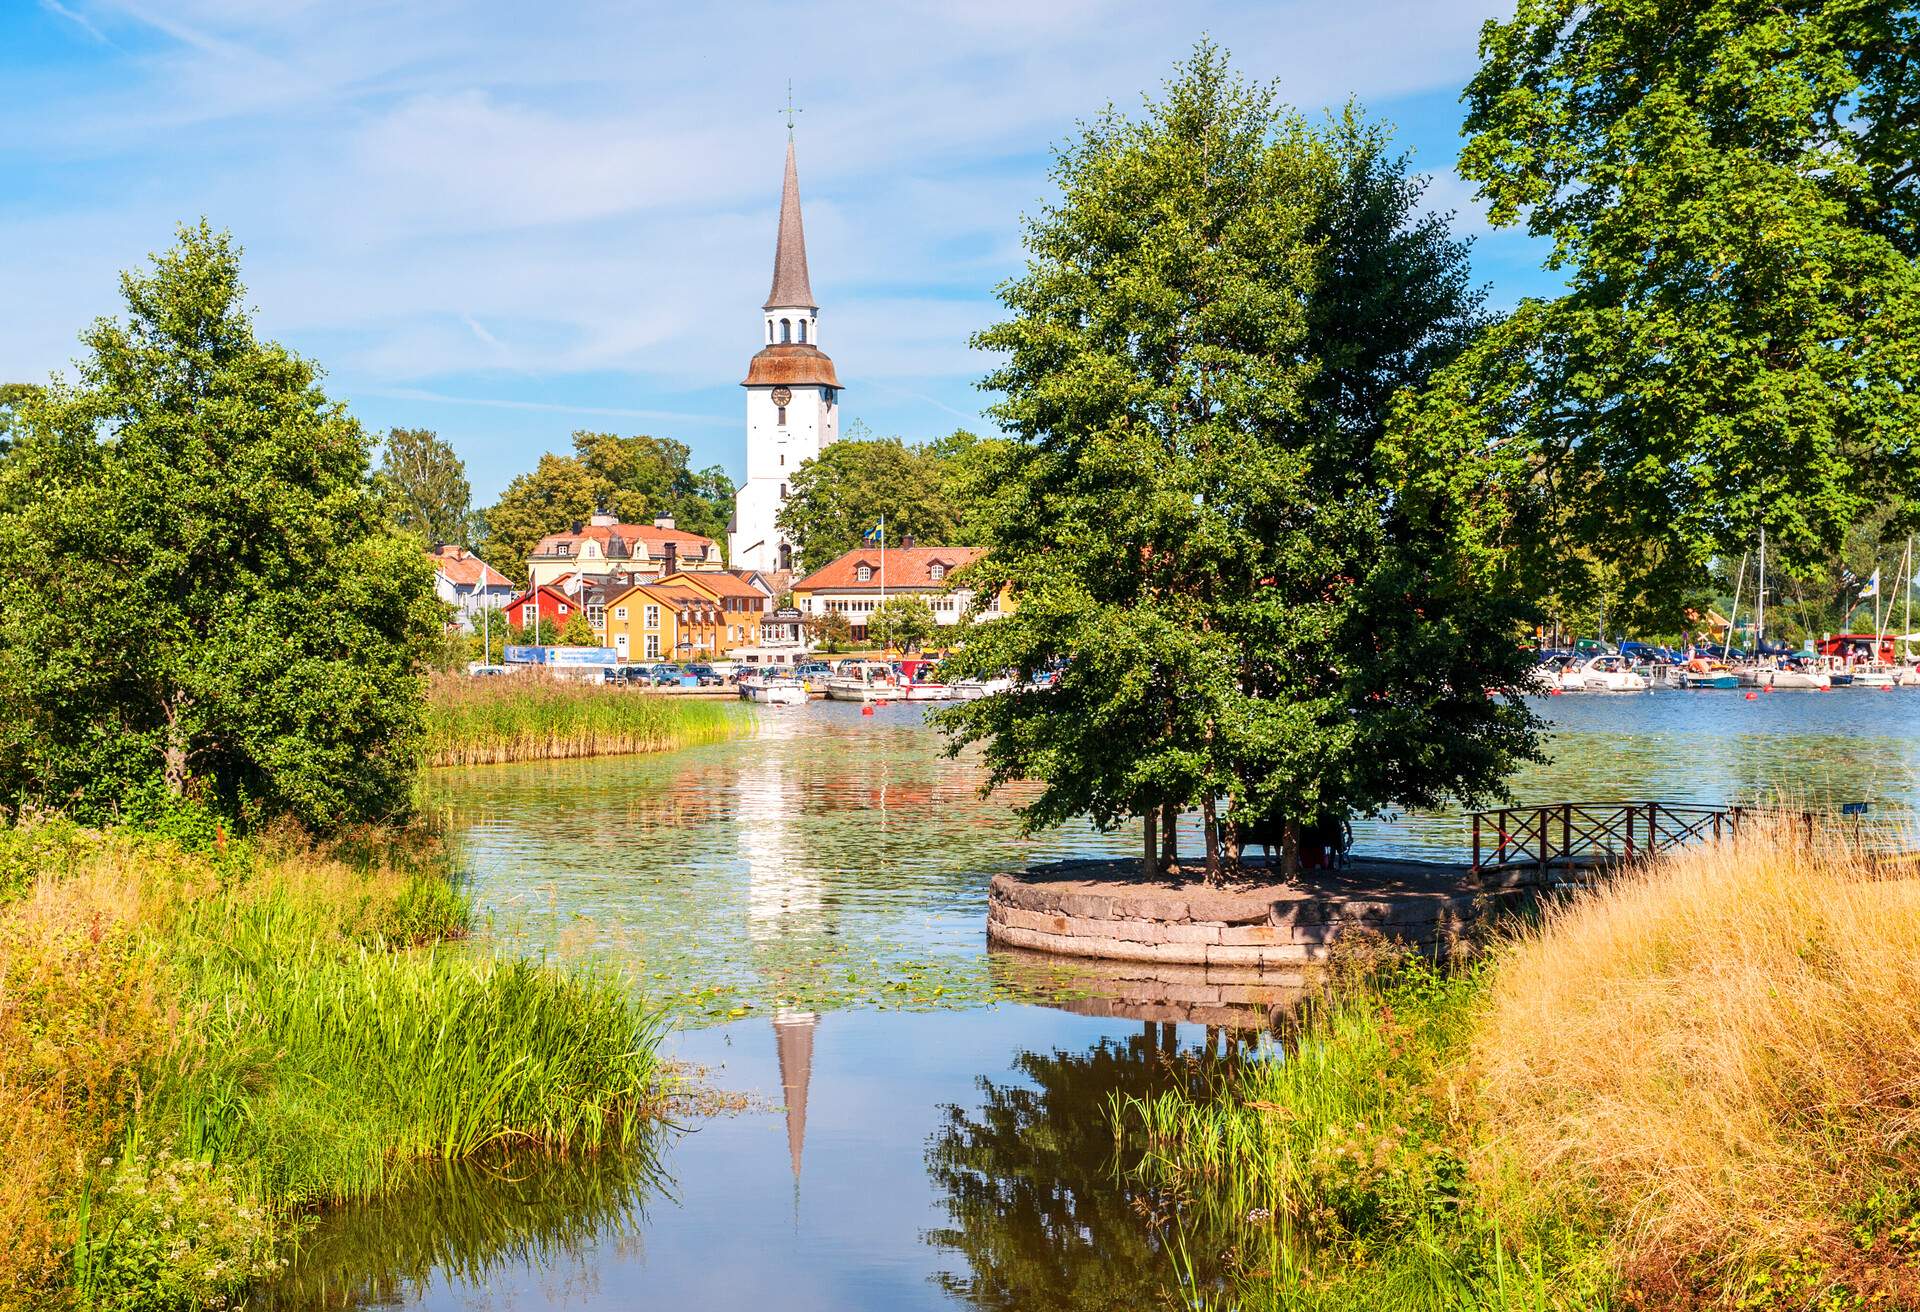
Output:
x=438 y=192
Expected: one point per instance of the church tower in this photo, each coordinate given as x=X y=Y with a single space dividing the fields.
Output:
x=793 y=396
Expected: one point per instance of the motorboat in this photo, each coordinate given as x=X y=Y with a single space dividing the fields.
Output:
x=919 y=681
x=1839 y=673
x=864 y=681
x=1783 y=678
x=773 y=690
x=1701 y=672
x=1610 y=673
x=971 y=690
x=1875 y=674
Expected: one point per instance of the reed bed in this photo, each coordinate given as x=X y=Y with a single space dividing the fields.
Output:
x=196 y=1049
x=529 y=718
x=1696 y=1084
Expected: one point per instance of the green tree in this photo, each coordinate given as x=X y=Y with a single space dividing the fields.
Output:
x=831 y=632
x=577 y=632
x=851 y=485
x=642 y=478
x=426 y=485
x=203 y=589
x=1261 y=591
x=903 y=622
x=1730 y=189
x=559 y=493
x=13 y=396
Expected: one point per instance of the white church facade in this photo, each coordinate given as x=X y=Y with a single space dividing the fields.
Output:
x=793 y=397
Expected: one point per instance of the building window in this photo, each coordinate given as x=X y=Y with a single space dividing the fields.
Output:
x=780 y=415
x=653 y=617
x=769 y=330
x=786 y=330
x=863 y=573
x=803 y=330
x=597 y=616
x=528 y=614
x=783 y=491
x=936 y=571
x=620 y=613
x=653 y=646
x=783 y=460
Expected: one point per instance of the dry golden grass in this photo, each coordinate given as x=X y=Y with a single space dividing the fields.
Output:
x=1721 y=1052
x=78 y=1020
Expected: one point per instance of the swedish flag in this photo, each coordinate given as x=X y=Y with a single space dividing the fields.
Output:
x=875 y=535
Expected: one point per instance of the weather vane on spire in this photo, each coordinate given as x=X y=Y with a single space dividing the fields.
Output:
x=791 y=111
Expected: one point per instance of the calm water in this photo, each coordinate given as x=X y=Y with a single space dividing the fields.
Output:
x=809 y=902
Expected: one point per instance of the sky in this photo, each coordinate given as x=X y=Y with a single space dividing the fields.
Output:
x=507 y=221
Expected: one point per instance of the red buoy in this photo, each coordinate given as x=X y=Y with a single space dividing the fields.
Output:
x=1753 y=696
x=867 y=709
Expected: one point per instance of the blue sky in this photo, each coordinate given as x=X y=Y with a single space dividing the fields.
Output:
x=505 y=221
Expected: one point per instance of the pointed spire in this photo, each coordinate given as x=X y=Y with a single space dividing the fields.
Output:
x=790 y=286
x=793 y=1039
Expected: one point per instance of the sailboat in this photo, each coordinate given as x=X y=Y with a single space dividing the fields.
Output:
x=1760 y=672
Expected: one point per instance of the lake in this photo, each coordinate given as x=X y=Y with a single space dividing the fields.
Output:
x=924 y=1125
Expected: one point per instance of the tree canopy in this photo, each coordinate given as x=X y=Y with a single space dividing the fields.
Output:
x=1261 y=591
x=635 y=478
x=929 y=492
x=12 y=397
x=426 y=485
x=203 y=589
x=1730 y=191
x=905 y=622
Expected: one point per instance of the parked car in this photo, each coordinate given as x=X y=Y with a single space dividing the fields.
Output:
x=668 y=674
x=629 y=674
x=705 y=675
x=481 y=670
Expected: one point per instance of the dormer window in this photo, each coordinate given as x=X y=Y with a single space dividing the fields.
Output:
x=863 y=573
x=936 y=571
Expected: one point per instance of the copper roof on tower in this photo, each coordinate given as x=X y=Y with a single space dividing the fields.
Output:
x=790 y=286
x=794 y=363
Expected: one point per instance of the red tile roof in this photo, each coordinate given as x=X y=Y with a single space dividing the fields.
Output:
x=907 y=568
x=720 y=580
x=617 y=540
x=467 y=570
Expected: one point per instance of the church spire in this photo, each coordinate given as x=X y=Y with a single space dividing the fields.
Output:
x=790 y=286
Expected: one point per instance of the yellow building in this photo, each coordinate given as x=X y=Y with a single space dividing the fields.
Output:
x=742 y=606
x=656 y=622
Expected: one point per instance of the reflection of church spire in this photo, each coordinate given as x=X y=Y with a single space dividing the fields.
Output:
x=793 y=1036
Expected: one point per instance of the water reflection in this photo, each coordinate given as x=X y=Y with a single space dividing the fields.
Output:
x=1038 y=1202
x=469 y=1224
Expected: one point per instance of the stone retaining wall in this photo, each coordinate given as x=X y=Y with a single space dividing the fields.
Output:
x=1253 y=925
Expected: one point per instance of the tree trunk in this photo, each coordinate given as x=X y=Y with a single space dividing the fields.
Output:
x=1150 y=822
x=1230 y=841
x=1290 y=848
x=1211 y=825
x=174 y=769
x=1169 y=838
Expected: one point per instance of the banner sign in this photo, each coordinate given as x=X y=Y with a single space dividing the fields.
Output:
x=526 y=655
x=582 y=656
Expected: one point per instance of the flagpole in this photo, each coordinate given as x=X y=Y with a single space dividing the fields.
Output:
x=883 y=575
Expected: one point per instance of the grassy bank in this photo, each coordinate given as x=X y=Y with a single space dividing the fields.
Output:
x=200 y=1044
x=1696 y=1086
x=492 y=721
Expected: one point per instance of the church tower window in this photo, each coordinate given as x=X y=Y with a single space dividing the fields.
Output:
x=786 y=330
x=803 y=330
x=780 y=415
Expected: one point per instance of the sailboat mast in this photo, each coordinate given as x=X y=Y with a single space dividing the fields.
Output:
x=1760 y=600
x=1726 y=647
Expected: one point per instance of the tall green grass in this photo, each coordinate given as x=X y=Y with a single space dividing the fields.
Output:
x=1342 y=1168
x=221 y=1041
x=528 y=718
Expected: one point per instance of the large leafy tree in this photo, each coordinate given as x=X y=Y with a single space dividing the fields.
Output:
x=904 y=622
x=426 y=485
x=637 y=479
x=13 y=396
x=853 y=484
x=1729 y=186
x=559 y=492
x=1262 y=592
x=203 y=590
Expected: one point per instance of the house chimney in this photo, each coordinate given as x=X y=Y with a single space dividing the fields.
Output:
x=906 y=543
x=577 y=526
x=663 y=521
x=602 y=521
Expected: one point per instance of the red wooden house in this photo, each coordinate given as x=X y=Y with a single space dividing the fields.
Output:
x=553 y=607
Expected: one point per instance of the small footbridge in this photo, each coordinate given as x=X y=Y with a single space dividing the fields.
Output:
x=1567 y=839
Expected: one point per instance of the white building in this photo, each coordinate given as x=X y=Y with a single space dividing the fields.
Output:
x=468 y=584
x=793 y=397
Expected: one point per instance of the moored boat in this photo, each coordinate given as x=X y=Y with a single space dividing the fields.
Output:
x=1610 y=673
x=968 y=690
x=864 y=681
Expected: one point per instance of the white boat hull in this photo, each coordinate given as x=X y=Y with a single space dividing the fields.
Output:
x=1785 y=680
x=969 y=690
x=929 y=692
x=783 y=694
x=852 y=690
